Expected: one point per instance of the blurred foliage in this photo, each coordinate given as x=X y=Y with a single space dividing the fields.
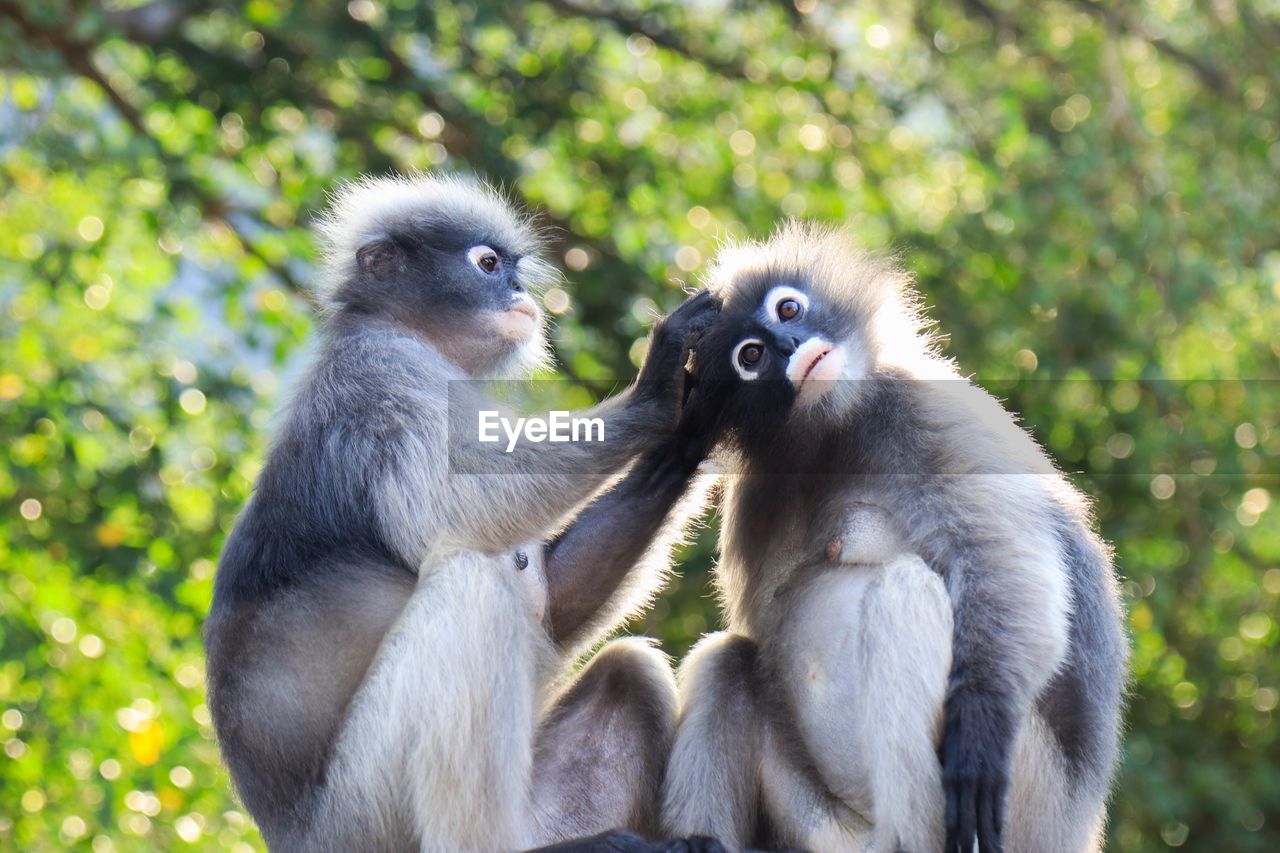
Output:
x=1087 y=190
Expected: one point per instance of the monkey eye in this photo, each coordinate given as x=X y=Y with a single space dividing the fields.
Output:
x=784 y=302
x=484 y=259
x=788 y=309
x=747 y=358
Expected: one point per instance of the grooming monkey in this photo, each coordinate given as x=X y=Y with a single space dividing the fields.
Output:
x=381 y=649
x=925 y=647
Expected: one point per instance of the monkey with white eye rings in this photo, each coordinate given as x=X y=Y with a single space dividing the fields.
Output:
x=925 y=647
x=382 y=675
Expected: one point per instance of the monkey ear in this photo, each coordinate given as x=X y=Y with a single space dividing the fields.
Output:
x=381 y=259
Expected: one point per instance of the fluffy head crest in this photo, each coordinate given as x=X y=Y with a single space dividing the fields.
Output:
x=371 y=209
x=825 y=261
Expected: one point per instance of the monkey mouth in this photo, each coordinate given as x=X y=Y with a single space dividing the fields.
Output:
x=818 y=360
x=518 y=322
x=524 y=306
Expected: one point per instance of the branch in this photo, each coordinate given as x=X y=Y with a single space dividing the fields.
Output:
x=1121 y=22
x=77 y=56
x=1265 y=29
x=626 y=23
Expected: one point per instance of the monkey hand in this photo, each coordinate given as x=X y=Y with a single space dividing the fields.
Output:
x=663 y=378
x=975 y=754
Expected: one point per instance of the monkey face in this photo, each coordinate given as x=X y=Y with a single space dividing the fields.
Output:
x=777 y=350
x=466 y=286
x=805 y=316
x=786 y=335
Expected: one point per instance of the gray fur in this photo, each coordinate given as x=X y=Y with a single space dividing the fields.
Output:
x=377 y=666
x=616 y=719
x=1034 y=643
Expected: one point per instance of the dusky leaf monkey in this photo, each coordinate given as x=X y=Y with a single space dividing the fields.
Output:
x=925 y=646
x=387 y=633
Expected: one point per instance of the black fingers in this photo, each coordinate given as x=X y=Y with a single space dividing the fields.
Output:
x=696 y=313
x=663 y=371
x=683 y=325
x=962 y=828
x=991 y=820
x=975 y=811
x=975 y=754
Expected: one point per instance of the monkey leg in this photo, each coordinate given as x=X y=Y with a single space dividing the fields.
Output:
x=735 y=776
x=602 y=747
x=865 y=665
x=1050 y=809
x=436 y=749
x=799 y=811
x=712 y=782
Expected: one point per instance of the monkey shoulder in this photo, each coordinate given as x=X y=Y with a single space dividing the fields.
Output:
x=348 y=430
x=366 y=404
x=973 y=431
x=373 y=373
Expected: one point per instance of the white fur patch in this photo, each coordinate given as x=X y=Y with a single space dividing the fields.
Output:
x=869 y=536
x=444 y=722
x=520 y=321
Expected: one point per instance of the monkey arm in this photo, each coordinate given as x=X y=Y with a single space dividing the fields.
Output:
x=1009 y=636
x=501 y=496
x=504 y=495
x=588 y=561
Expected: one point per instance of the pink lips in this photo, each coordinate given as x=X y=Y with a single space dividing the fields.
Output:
x=518 y=322
x=806 y=359
x=817 y=360
x=814 y=364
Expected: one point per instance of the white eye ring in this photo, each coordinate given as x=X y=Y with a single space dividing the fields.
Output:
x=745 y=373
x=484 y=259
x=780 y=294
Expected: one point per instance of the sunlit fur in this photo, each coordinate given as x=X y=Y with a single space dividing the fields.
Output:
x=995 y=630
x=652 y=570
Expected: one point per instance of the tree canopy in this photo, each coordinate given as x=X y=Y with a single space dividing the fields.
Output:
x=1087 y=191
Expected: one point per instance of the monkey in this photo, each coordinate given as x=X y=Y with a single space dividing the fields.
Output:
x=388 y=632
x=925 y=648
